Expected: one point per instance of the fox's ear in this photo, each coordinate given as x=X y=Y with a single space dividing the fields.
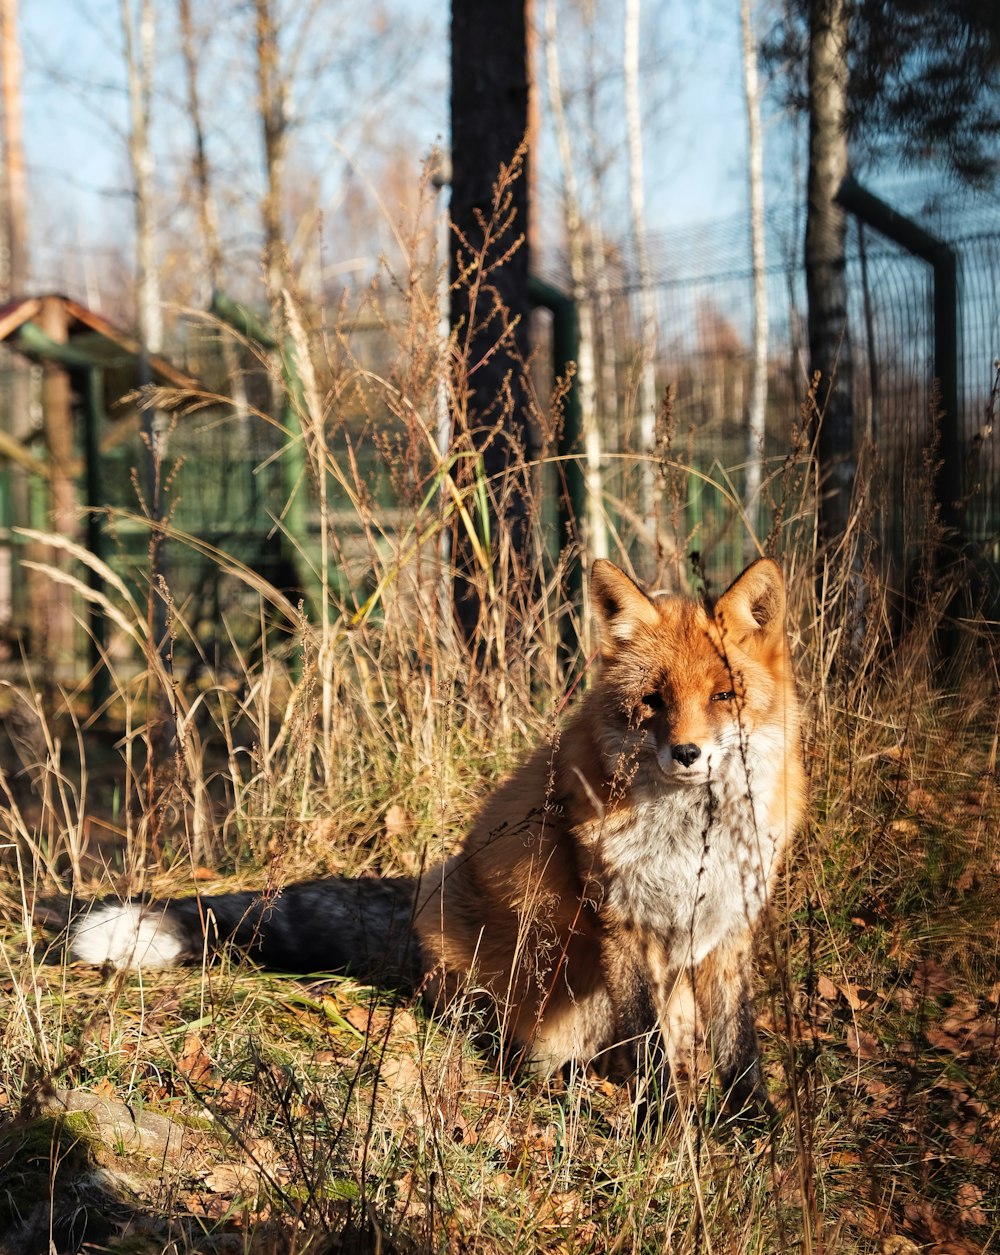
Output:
x=751 y=611
x=621 y=605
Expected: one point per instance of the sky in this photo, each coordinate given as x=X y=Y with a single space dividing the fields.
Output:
x=76 y=116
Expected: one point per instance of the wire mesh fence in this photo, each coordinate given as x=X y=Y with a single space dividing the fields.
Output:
x=705 y=324
x=239 y=483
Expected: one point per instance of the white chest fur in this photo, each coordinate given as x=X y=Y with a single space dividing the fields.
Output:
x=693 y=865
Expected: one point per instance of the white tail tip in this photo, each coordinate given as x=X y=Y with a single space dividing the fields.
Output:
x=129 y=935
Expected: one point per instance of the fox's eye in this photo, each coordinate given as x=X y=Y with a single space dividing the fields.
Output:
x=724 y=695
x=653 y=700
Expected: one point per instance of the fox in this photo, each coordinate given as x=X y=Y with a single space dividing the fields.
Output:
x=609 y=890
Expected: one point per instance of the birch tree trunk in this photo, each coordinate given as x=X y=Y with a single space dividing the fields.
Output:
x=15 y=185
x=208 y=218
x=140 y=50
x=140 y=54
x=273 y=105
x=825 y=261
x=757 y=407
x=595 y=533
x=14 y=281
x=646 y=389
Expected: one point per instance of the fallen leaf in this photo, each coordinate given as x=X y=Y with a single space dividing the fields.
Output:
x=940 y=1040
x=233 y=1178
x=862 y=1044
x=857 y=996
x=920 y=1215
x=955 y=1246
x=401 y=1073
x=969 y=1197
x=921 y=800
x=237 y=1098
x=897 y=1245
x=560 y=1209
x=194 y=1062
x=372 y=1021
x=827 y=989
x=931 y=977
x=396 y=820
x=967 y=1147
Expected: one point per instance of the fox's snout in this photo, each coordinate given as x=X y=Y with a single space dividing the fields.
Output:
x=686 y=753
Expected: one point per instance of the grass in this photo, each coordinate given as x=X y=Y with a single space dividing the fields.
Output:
x=228 y=1109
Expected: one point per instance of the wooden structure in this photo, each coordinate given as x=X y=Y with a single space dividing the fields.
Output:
x=87 y=367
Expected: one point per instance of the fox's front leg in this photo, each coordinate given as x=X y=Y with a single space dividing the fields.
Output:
x=724 y=1011
x=634 y=1050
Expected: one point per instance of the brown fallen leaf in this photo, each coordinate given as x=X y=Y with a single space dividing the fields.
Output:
x=194 y=1061
x=898 y=1245
x=827 y=989
x=862 y=1044
x=857 y=996
x=966 y=1146
x=232 y=1179
x=922 y=801
x=237 y=1098
x=968 y=1197
x=931 y=977
x=396 y=820
x=401 y=1072
x=938 y=1039
x=955 y=1246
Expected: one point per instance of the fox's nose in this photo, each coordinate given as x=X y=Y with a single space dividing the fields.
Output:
x=686 y=753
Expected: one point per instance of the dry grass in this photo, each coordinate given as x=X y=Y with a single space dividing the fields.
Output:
x=229 y=1109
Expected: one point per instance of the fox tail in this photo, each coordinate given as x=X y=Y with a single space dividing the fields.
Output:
x=359 y=927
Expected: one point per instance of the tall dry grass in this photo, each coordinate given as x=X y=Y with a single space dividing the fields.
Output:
x=324 y=1116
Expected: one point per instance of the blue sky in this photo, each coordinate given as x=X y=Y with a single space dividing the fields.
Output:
x=75 y=118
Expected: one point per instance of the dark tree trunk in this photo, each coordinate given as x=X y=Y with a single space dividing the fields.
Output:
x=490 y=307
x=825 y=260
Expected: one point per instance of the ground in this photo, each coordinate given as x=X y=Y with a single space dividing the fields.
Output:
x=228 y=1109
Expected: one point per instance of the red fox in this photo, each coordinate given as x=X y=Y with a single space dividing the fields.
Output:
x=609 y=886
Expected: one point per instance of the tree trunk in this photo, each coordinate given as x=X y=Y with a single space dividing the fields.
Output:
x=208 y=219
x=490 y=306
x=14 y=276
x=15 y=184
x=825 y=262
x=53 y=616
x=273 y=105
x=595 y=532
x=757 y=407
x=649 y=563
x=140 y=47
x=139 y=60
